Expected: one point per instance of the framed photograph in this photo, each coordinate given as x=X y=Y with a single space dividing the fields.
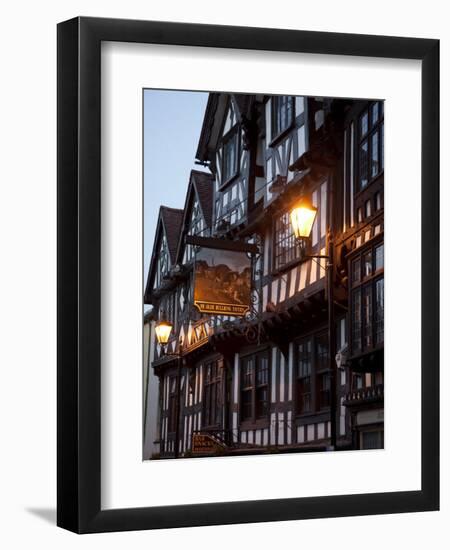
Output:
x=248 y=290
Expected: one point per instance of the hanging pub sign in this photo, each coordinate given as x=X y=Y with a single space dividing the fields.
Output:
x=222 y=280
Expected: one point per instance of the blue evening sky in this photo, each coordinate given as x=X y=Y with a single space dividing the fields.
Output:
x=172 y=124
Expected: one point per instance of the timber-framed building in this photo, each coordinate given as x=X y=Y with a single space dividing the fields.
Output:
x=272 y=383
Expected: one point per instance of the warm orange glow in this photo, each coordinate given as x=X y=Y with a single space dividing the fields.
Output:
x=163 y=330
x=302 y=219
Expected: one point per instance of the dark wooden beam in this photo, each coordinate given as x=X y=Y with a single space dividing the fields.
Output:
x=222 y=244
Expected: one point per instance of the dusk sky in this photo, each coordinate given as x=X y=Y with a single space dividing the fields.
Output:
x=172 y=124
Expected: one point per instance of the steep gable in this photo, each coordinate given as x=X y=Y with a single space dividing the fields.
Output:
x=203 y=183
x=197 y=215
x=222 y=112
x=172 y=219
x=164 y=249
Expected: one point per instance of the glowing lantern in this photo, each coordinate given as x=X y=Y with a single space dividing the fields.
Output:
x=163 y=330
x=302 y=219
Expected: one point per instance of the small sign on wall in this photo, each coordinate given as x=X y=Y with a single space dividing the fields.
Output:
x=204 y=444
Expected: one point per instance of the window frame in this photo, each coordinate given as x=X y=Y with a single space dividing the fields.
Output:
x=274 y=104
x=172 y=403
x=321 y=371
x=233 y=133
x=254 y=418
x=300 y=377
x=216 y=384
x=316 y=373
x=317 y=240
x=262 y=386
x=373 y=129
x=296 y=248
x=358 y=287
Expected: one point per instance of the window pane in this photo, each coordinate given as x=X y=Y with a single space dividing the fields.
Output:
x=379 y=257
x=322 y=352
x=356 y=271
x=374 y=113
x=213 y=403
x=304 y=394
x=255 y=387
x=212 y=395
x=363 y=164
x=217 y=403
x=374 y=163
x=367 y=316
x=304 y=358
x=207 y=405
x=246 y=405
x=287 y=249
x=363 y=124
x=262 y=401
x=282 y=114
x=246 y=381
x=359 y=215
x=379 y=311
x=324 y=381
x=304 y=377
x=357 y=381
x=230 y=157
x=368 y=209
x=367 y=264
x=356 y=321
x=262 y=372
x=172 y=404
x=377 y=200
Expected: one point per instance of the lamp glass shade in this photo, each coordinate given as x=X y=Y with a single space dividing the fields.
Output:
x=302 y=220
x=163 y=330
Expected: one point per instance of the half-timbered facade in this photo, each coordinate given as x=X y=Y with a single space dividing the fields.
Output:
x=284 y=379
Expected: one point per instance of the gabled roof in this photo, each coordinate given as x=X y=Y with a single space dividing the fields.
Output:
x=202 y=184
x=244 y=103
x=172 y=219
x=215 y=112
x=208 y=121
x=169 y=221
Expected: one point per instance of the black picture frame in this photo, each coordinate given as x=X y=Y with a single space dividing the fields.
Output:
x=79 y=281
